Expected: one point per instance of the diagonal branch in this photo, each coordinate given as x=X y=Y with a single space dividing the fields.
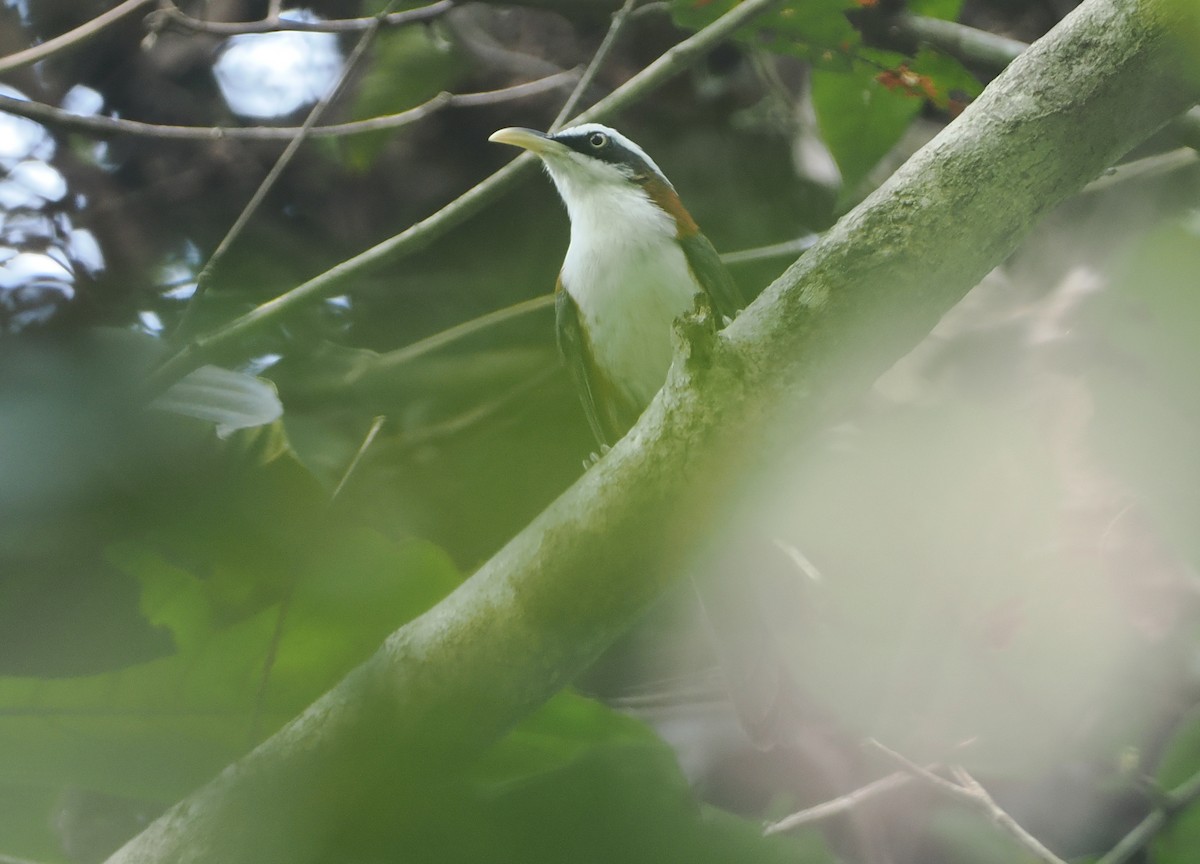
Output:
x=445 y=686
x=589 y=74
x=72 y=37
x=971 y=792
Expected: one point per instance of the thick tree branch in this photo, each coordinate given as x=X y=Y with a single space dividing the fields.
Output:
x=449 y=683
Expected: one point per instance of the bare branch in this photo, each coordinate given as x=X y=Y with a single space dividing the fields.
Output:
x=60 y=119
x=420 y=235
x=72 y=37
x=969 y=791
x=786 y=249
x=171 y=15
x=841 y=804
x=589 y=74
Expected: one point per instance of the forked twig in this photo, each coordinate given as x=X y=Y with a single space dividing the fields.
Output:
x=842 y=804
x=970 y=791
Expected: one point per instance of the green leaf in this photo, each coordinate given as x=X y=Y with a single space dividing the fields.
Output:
x=948 y=78
x=171 y=597
x=579 y=782
x=860 y=119
x=411 y=65
x=231 y=400
x=947 y=10
x=811 y=29
x=156 y=730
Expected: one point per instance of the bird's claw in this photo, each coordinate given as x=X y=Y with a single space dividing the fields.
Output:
x=593 y=458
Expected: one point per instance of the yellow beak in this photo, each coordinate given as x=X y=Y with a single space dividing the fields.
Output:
x=526 y=139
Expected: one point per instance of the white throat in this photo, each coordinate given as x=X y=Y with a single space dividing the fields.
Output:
x=627 y=273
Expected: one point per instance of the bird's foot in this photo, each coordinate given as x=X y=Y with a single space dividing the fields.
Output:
x=593 y=458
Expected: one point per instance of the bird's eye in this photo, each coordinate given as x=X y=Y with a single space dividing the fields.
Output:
x=597 y=140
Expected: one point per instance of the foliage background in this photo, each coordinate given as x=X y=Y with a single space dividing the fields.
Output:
x=1003 y=531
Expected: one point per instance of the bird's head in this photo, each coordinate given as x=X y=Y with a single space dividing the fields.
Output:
x=592 y=165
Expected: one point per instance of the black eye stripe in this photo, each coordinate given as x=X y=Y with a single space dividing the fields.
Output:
x=606 y=149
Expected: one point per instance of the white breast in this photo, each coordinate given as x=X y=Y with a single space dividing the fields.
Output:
x=630 y=279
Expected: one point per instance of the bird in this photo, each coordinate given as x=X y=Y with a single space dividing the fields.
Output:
x=635 y=262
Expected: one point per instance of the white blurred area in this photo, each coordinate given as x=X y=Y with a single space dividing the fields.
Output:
x=272 y=75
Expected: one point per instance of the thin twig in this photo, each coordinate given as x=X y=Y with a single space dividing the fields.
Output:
x=477 y=414
x=1181 y=796
x=589 y=74
x=786 y=249
x=445 y=337
x=421 y=234
x=60 y=119
x=268 y=182
x=368 y=440
x=1001 y=817
x=841 y=804
x=969 y=791
x=170 y=14
x=77 y=36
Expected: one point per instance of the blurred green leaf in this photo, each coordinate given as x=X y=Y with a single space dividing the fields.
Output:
x=230 y=400
x=810 y=29
x=1180 y=762
x=578 y=782
x=156 y=730
x=945 y=9
x=171 y=598
x=949 y=80
x=860 y=119
x=411 y=65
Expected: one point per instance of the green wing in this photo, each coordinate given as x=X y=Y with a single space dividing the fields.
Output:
x=594 y=392
x=712 y=275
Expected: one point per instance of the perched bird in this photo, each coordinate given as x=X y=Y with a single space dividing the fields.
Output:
x=635 y=262
x=634 y=265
